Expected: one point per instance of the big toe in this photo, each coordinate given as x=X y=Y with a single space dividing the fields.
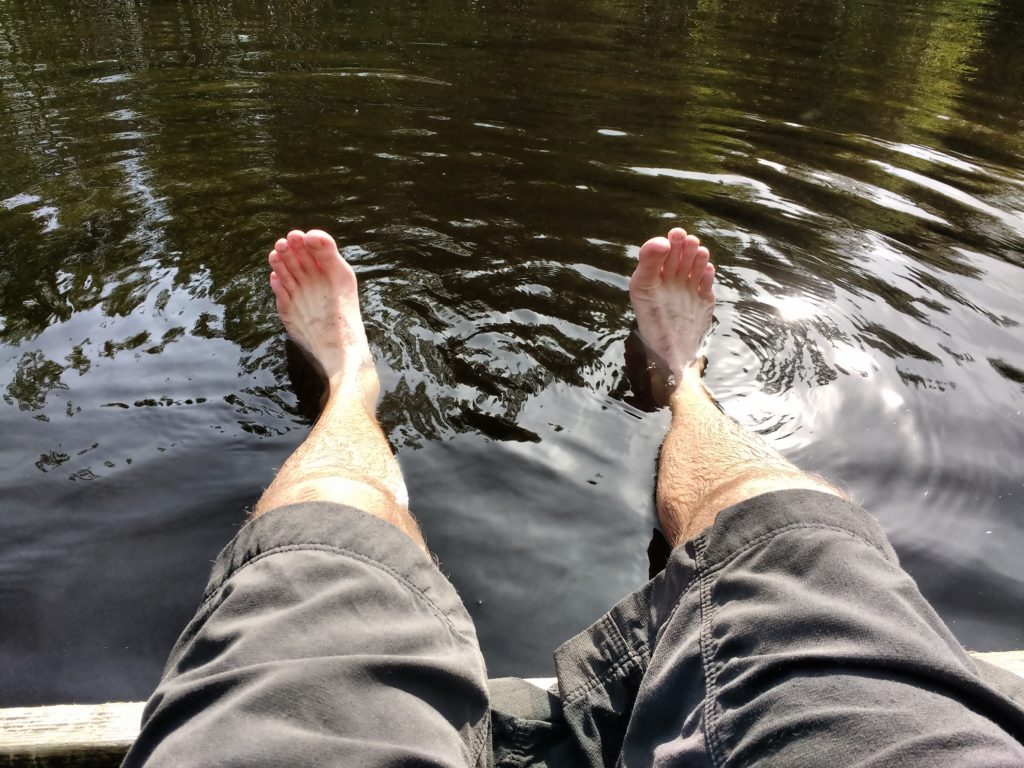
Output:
x=319 y=240
x=653 y=254
x=323 y=248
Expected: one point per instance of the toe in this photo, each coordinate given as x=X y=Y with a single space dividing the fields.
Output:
x=291 y=260
x=295 y=255
x=652 y=258
x=700 y=261
x=280 y=268
x=317 y=239
x=281 y=245
x=677 y=237
x=323 y=248
x=284 y=298
x=707 y=280
x=297 y=241
x=688 y=257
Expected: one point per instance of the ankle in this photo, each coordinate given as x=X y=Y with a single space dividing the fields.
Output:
x=689 y=388
x=355 y=386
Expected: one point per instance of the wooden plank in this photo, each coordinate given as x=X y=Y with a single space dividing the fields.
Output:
x=79 y=735
x=1009 y=660
x=544 y=683
x=99 y=735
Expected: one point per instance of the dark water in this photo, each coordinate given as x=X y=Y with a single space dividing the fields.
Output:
x=855 y=167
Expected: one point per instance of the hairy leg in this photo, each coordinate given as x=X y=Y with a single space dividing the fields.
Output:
x=346 y=457
x=804 y=642
x=327 y=638
x=708 y=461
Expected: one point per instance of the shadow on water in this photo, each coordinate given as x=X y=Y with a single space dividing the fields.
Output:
x=490 y=168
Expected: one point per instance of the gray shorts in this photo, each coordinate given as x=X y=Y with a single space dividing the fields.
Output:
x=785 y=635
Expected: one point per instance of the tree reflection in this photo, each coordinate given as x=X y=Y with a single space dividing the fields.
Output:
x=35 y=377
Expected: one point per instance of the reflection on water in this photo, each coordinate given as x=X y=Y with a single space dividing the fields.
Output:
x=490 y=169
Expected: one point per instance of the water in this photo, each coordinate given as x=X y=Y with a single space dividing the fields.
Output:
x=490 y=168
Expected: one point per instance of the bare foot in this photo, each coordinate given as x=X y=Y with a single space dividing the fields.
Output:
x=318 y=301
x=672 y=295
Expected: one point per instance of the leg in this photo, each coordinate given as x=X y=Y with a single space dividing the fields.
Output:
x=708 y=462
x=346 y=455
x=783 y=631
x=327 y=636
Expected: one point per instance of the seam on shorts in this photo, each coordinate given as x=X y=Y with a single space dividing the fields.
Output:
x=706 y=577
x=675 y=608
x=333 y=548
x=520 y=747
x=639 y=652
x=617 y=641
x=703 y=579
x=785 y=529
x=624 y=653
x=711 y=737
x=482 y=739
x=630 y=658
